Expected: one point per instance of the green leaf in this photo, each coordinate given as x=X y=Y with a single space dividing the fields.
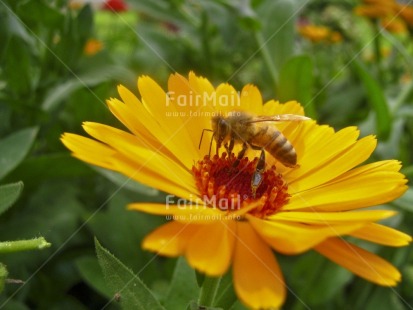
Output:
x=14 y=148
x=376 y=99
x=278 y=28
x=383 y=298
x=406 y=201
x=296 y=83
x=7 y=304
x=9 y=194
x=131 y=227
x=183 y=287
x=238 y=306
x=162 y=11
x=194 y=306
x=84 y=23
x=37 y=169
x=15 y=27
x=91 y=272
x=226 y=297
x=132 y=291
x=88 y=79
x=330 y=282
x=18 y=68
x=52 y=211
x=75 y=29
x=244 y=11
x=42 y=12
x=408 y=172
x=200 y=277
x=3 y=276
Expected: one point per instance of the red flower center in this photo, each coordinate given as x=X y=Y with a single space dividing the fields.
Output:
x=228 y=188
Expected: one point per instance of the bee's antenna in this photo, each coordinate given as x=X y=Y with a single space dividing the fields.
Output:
x=202 y=135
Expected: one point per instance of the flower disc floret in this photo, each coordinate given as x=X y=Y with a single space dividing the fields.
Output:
x=229 y=187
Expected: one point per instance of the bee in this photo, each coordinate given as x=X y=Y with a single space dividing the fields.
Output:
x=255 y=132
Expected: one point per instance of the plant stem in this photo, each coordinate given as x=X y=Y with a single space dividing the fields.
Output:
x=262 y=46
x=377 y=52
x=401 y=98
x=209 y=291
x=24 y=245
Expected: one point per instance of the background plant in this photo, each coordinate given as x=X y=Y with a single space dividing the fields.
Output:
x=50 y=83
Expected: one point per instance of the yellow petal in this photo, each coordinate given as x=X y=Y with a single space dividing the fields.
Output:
x=295 y=238
x=158 y=179
x=258 y=280
x=290 y=107
x=134 y=116
x=306 y=137
x=210 y=248
x=128 y=145
x=89 y=150
x=200 y=85
x=184 y=212
x=359 y=261
x=161 y=208
x=382 y=235
x=354 y=189
x=341 y=154
x=167 y=179
x=157 y=103
x=170 y=239
x=251 y=100
x=196 y=113
x=326 y=218
x=226 y=99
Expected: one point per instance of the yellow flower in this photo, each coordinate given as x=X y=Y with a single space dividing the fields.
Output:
x=314 y=33
x=376 y=8
x=217 y=221
x=394 y=25
x=335 y=37
x=92 y=47
x=372 y=11
x=385 y=3
x=318 y=34
x=406 y=13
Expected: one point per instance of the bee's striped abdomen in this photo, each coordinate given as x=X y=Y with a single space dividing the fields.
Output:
x=274 y=142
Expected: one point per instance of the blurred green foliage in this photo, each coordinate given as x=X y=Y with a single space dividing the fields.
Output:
x=50 y=85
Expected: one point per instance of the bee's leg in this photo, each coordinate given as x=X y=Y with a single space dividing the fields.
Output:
x=219 y=143
x=257 y=178
x=240 y=155
x=226 y=147
x=231 y=145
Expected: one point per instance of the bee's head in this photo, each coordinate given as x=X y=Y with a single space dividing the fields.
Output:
x=221 y=129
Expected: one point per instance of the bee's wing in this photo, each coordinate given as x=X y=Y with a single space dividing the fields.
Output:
x=277 y=118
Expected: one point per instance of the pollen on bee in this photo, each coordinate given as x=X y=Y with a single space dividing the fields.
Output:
x=229 y=187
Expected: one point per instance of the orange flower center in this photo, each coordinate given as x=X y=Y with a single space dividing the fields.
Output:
x=228 y=187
